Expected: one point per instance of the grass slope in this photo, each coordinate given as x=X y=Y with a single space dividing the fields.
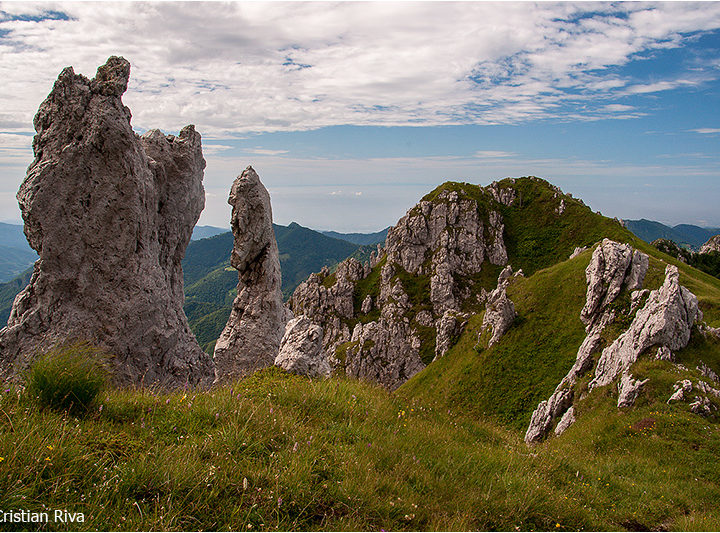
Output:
x=280 y=452
x=506 y=382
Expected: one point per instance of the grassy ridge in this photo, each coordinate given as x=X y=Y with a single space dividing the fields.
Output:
x=279 y=452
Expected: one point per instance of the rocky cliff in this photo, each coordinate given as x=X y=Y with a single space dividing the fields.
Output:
x=110 y=214
x=252 y=335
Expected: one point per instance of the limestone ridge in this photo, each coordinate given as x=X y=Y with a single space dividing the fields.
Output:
x=252 y=335
x=661 y=320
x=110 y=214
x=386 y=320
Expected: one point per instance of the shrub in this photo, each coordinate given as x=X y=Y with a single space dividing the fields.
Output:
x=68 y=377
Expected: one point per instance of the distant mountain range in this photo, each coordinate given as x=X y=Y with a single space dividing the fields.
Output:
x=204 y=232
x=15 y=252
x=359 y=238
x=685 y=235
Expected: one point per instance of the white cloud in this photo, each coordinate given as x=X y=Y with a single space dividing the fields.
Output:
x=257 y=66
x=706 y=131
x=263 y=151
x=492 y=154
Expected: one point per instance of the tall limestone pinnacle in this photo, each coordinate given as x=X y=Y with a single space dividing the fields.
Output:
x=252 y=335
x=110 y=213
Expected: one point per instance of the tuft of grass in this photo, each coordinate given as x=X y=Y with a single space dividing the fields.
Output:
x=68 y=377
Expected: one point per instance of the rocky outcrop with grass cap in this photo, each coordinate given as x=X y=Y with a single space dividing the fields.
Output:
x=110 y=213
x=387 y=322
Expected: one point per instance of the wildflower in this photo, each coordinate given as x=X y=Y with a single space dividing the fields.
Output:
x=47 y=458
x=50 y=448
x=2 y=459
x=100 y=408
x=557 y=525
x=245 y=483
x=183 y=398
x=167 y=401
x=279 y=502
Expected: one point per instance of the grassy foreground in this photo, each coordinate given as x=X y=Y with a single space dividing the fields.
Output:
x=281 y=452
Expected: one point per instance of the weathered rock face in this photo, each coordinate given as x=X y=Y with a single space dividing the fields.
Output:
x=500 y=311
x=664 y=320
x=252 y=335
x=628 y=389
x=389 y=328
x=445 y=238
x=110 y=215
x=301 y=349
x=713 y=245
x=612 y=267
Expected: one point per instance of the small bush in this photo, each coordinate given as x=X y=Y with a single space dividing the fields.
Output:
x=68 y=377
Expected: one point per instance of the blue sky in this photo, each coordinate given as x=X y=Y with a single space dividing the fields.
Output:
x=350 y=112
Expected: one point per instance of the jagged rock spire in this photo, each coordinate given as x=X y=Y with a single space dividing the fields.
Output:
x=252 y=335
x=110 y=214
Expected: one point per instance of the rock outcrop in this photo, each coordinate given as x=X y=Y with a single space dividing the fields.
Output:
x=613 y=266
x=301 y=349
x=713 y=245
x=110 y=214
x=664 y=320
x=252 y=335
x=628 y=389
x=390 y=327
x=499 y=311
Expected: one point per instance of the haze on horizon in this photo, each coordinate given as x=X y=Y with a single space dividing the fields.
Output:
x=350 y=112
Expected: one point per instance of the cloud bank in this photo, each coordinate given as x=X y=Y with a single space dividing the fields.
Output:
x=233 y=68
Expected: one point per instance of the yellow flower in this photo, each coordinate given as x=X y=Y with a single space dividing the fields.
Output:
x=50 y=448
x=47 y=458
x=2 y=459
x=557 y=525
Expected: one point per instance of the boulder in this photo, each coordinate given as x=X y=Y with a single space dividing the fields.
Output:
x=301 y=349
x=547 y=411
x=110 y=214
x=681 y=388
x=567 y=420
x=499 y=313
x=252 y=335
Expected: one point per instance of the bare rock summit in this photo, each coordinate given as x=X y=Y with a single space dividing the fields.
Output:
x=110 y=214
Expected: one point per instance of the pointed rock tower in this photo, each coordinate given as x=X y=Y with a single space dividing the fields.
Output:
x=110 y=214
x=252 y=335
